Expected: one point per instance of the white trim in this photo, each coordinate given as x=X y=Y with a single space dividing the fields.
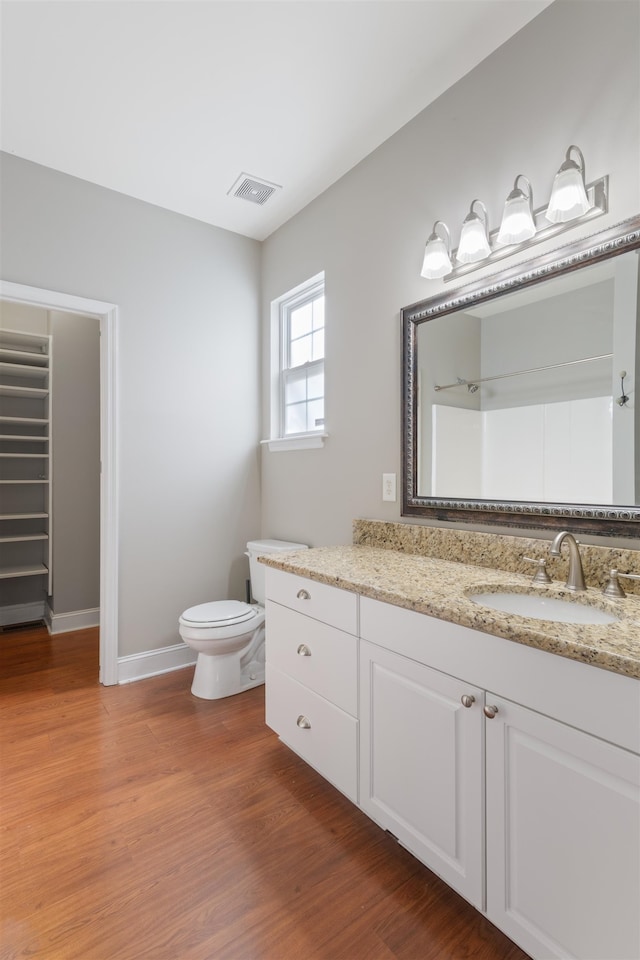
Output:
x=75 y=620
x=18 y=613
x=297 y=441
x=137 y=666
x=107 y=314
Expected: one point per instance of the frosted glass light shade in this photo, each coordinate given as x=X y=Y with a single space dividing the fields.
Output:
x=517 y=220
x=437 y=262
x=474 y=245
x=568 y=195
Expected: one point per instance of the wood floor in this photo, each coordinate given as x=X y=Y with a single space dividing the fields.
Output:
x=140 y=823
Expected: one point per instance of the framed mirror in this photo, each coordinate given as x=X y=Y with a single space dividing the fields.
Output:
x=519 y=397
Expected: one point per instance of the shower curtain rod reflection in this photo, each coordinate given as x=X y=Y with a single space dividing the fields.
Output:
x=472 y=385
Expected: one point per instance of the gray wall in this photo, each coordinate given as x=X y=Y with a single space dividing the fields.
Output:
x=570 y=76
x=188 y=375
x=23 y=317
x=76 y=462
x=578 y=323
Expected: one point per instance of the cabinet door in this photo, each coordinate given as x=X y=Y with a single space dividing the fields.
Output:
x=563 y=838
x=421 y=764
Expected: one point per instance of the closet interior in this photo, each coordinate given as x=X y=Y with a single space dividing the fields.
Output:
x=25 y=476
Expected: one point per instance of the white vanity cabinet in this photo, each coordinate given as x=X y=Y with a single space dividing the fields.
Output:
x=312 y=674
x=563 y=837
x=560 y=807
x=421 y=766
x=514 y=774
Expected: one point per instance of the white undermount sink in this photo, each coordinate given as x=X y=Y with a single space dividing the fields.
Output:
x=543 y=608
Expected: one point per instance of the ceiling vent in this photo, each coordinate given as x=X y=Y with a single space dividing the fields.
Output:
x=251 y=188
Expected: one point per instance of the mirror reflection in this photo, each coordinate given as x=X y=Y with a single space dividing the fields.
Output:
x=522 y=397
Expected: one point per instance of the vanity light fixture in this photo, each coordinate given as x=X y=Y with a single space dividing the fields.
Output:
x=569 y=194
x=474 y=240
x=572 y=202
x=437 y=254
x=517 y=220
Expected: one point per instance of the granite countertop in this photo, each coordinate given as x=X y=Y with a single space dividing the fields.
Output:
x=439 y=588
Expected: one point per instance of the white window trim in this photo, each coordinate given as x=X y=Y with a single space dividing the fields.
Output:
x=296 y=441
x=313 y=439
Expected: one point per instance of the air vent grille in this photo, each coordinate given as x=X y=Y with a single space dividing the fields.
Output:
x=251 y=188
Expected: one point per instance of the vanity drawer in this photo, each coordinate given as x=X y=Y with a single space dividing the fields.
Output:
x=322 y=734
x=339 y=608
x=317 y=655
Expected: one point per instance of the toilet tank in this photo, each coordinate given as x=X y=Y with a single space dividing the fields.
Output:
x=257 y=548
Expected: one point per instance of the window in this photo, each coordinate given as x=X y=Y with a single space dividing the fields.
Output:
x=298 y=382
x=302 y=371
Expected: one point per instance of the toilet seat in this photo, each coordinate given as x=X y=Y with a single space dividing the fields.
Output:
x=222 y=613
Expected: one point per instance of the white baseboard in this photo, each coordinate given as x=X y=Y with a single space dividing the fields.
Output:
x=137 y=666
x=22 y=613
x=75 y=620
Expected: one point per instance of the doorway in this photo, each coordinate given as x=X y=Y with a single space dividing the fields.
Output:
x=107 y=316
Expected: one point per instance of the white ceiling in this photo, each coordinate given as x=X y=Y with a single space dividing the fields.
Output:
x=170 y=102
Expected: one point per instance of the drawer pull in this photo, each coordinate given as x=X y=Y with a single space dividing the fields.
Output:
x=303 y=650
x=303 y=595
x=490 y=712
x=303 y=723
x=467 y=700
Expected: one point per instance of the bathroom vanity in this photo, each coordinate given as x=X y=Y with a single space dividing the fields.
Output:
x=502 y=751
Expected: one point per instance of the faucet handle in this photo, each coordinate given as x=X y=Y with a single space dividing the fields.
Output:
x=541 y=575
x=614 y=587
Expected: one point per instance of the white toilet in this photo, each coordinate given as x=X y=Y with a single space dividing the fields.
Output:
x=228 y=635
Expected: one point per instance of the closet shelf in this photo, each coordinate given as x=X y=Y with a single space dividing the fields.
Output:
x=24 y=370
x=20 y=356
x=40 y=421
x=35 y=344
x=36 y=570
x=20 y=538
x=23 y=516
x=24 y=481
x=24 y=456
x=7 y=391
x=23 y=436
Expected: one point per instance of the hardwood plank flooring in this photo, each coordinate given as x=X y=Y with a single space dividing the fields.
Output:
x=140 y=823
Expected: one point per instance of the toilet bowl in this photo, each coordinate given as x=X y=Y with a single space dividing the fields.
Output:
x=229 y=635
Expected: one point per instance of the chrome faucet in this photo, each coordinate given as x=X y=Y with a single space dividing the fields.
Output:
x=575 y=579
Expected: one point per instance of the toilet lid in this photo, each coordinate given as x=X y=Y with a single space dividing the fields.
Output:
x=224 y=612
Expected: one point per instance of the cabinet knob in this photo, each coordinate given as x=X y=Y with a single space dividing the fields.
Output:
x=467 y=700
x=303 y=595
x=490 y=711
x=303 y=650
x=303 y=722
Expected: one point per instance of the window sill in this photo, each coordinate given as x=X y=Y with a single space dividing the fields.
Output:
x=298 y=441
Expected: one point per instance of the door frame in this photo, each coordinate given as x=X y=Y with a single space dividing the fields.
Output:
x=107 y=315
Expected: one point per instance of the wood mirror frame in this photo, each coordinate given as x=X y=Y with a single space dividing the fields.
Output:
x=603 y=520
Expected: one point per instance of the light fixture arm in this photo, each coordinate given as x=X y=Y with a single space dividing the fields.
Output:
x=517 y=191
x=435 y=235
x=568 y=162
x=484 y=215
